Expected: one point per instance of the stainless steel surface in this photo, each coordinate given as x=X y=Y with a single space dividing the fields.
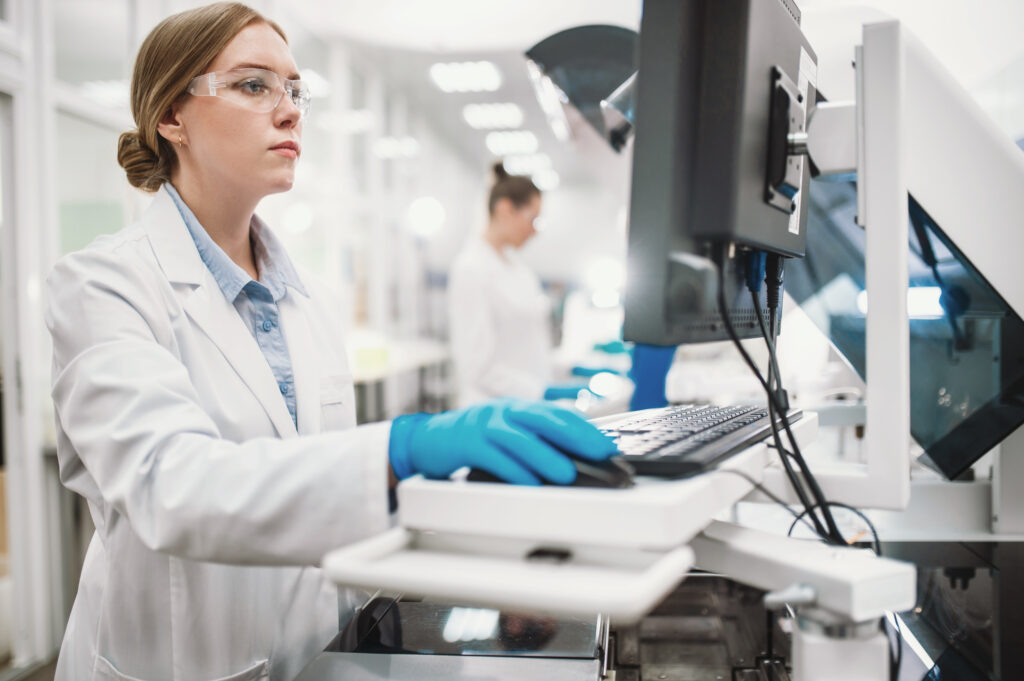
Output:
x=373 y=667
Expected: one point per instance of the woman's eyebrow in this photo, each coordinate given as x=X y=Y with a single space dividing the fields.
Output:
x=251 y=65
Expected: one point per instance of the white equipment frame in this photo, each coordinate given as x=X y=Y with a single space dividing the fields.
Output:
x=914 y=129
x=909 y=128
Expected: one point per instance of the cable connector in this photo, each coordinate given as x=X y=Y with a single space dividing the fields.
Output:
x=782 y=400
x=773 y=280
x=755 y=270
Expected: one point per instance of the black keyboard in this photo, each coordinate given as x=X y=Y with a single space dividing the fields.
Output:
x=680 y=441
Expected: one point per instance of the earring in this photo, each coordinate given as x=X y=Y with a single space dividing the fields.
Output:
x=179 y=140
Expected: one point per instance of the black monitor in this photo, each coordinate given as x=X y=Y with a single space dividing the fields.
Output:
x=966 y=342
x=719 y=85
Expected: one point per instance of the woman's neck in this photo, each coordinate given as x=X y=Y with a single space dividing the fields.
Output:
x=493 y=236
x=226 y=221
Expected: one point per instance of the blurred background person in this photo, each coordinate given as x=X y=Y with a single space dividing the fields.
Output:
x=499 y=316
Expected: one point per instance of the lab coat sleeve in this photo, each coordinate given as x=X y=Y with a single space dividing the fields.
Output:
x=474 y=341
x=134 y=439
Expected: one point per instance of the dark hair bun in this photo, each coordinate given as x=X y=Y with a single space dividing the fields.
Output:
x=144 y=168
x=499 y=171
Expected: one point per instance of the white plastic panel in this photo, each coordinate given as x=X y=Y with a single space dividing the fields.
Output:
x=499 y=573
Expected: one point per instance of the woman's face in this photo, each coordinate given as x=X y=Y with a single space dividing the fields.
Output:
x=233 y=149
x=519 y=222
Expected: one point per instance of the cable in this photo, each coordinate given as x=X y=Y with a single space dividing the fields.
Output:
x=798 y=518
x=773 y=280
x=755 y=274
x=832 y=532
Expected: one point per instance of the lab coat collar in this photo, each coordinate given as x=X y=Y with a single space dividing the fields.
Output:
x=206 y=305
x=172 y=244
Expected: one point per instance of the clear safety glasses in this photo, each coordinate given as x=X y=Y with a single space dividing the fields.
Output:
x=254 y=89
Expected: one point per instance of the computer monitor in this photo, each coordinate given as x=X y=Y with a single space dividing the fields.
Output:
x=966 y=341
x=715 y=80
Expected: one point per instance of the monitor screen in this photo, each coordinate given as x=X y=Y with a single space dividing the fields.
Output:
x=966 y=343
x=715 y=80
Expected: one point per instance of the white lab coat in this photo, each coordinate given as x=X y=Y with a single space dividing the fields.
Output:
x=500 y=325
x=210 y=512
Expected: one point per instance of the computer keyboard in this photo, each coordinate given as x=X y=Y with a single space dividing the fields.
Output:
x=683 y=440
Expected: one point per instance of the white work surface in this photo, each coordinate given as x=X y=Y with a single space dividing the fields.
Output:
x=624 y=549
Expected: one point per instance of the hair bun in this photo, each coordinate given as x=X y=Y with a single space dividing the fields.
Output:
x=499 y=171
x=143 y=167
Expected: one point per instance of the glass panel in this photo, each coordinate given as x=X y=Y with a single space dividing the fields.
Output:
x=91 y=38
x=966 y=343
x=91 y=187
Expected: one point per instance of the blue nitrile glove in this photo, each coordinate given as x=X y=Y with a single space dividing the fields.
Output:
x=587 y=372
x=564 y=391
x=518 y=441
x=615 y=347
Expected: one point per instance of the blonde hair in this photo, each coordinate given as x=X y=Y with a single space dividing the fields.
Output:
x=177 y=50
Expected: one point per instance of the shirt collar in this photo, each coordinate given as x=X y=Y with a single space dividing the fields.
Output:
x=276 y=269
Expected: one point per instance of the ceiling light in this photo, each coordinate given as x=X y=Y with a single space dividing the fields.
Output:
x=469 y=76
x=546 y=179
x=425 y=216
x=491 y=116
x=526 y=164
x=511 y=142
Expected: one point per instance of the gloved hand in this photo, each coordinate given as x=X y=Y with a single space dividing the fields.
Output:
x=587 y=372
x=518 y=441
x=564 y=391
x=615 y=347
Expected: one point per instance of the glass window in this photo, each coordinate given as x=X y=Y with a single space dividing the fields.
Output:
x=91 y=39
x=91 y=186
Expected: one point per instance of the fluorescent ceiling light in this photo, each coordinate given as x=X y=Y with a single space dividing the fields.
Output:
x=425 y=216
x=491 y=116
x=469 y=76
x=511 y=142
x=922 y=302
x=546 y=179
x=526 y=164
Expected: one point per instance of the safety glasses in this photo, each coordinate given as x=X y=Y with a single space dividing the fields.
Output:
x=258 y=90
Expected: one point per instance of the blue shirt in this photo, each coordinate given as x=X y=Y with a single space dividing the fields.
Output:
x=256 y=301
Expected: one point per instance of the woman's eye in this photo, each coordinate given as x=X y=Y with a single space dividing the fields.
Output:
x=252 y=87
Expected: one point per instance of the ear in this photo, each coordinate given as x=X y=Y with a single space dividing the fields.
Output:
x=171 y=127
x=504 y=206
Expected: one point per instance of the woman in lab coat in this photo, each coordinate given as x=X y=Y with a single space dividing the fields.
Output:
x=204 y=406
x=499 y=317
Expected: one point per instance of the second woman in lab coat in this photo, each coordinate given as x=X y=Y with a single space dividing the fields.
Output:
x=205 y=408
x=499 y=317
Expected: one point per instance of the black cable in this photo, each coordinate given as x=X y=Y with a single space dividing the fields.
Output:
x=895 y=658
x=784 y=455
x=773 y=280
x=833 y=533
x=798 y=517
